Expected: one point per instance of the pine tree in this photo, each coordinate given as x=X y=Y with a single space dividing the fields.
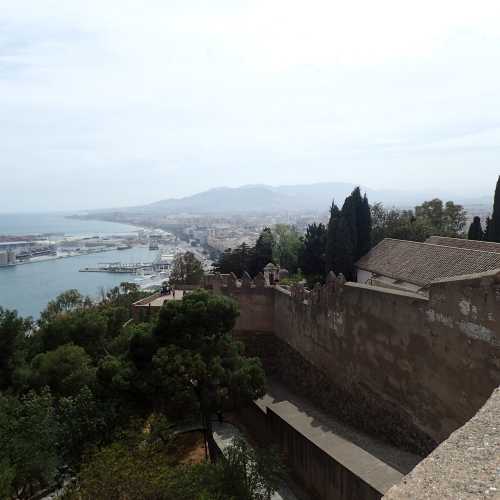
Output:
x=476 y=230
x=330 y=238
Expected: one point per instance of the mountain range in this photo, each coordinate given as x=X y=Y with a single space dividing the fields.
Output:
x=293 y=198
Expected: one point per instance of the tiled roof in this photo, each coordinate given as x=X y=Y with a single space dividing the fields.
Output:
x=485 y=246
x=422 y=263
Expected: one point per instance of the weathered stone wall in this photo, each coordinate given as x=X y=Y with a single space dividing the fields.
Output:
x=421 y=367
x=256 y=308
x=400 y=364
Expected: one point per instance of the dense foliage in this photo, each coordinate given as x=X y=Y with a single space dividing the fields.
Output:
x=349 y=234
x=137 y=469
x=312 y=253
x=71 y=382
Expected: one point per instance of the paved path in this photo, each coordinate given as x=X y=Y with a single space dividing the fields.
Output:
x=380 y=465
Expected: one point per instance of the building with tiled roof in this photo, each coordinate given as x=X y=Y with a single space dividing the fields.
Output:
x=411 y=265
x=484 y=246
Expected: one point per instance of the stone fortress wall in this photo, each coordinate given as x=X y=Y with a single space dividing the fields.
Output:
x=409 y=367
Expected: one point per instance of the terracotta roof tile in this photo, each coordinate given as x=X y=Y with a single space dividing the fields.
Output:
x=485 y=246
x=422 y=263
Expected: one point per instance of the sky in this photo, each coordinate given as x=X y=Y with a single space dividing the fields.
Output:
x=118 y=103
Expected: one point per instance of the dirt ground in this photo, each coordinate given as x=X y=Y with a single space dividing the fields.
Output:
x=190 y=448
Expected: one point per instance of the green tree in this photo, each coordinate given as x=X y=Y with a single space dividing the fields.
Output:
x=186 y=270
x=349 y=234
x=121 y=471
x=66 y=370
x=312 y=256
x=236 y=261
x=364 y=227
x=29 y=437
x=263 y=252
x=444 y=219
x=433 y=212
x=83 y=422
x=13 y=340
x=344 y=248
x=476 y=230
x=68 y=301
x=493 y=233
x=352 y=237
x=86 y=328
x=330 y=238
x=138 y=470
x=287 y=246
x=398 y=224
x=244 y=473
x=197 y=354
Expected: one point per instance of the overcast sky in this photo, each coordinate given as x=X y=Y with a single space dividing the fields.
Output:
x=111 y=103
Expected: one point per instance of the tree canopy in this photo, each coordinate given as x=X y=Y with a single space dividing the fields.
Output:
x=312 y=256
x=186 y=270
x=73 y=383
x=444 y=219
x=476 y=230
x=349 y=234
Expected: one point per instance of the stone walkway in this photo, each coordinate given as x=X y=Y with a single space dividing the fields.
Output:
x=376 y=464
x=158 y=302
x=280 y=397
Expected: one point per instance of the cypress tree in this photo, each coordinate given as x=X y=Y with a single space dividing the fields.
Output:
x=344 y=248
x=349 y=234
x=312 y=255
x=487 y=232
x=476 y=230
x=330 y=238
x=364 y=228
x=495 y=218
x=263 y=252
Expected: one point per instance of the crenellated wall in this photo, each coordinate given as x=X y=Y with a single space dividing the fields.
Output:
x=410 y=367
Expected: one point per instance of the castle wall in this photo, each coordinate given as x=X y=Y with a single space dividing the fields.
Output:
x=405 y=366
x=256 y=308
x=396 y=361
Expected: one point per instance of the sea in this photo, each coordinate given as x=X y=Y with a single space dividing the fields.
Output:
x=28 y=288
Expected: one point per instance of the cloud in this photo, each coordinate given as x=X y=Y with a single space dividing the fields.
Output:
x=166 y=98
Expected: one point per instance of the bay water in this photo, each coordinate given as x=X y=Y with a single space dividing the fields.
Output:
x=28 y=287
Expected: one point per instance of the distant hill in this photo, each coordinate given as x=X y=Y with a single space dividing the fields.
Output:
x=262 y=198
x=269 y=199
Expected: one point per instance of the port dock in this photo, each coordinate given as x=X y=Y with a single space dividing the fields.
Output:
x=119 y=268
